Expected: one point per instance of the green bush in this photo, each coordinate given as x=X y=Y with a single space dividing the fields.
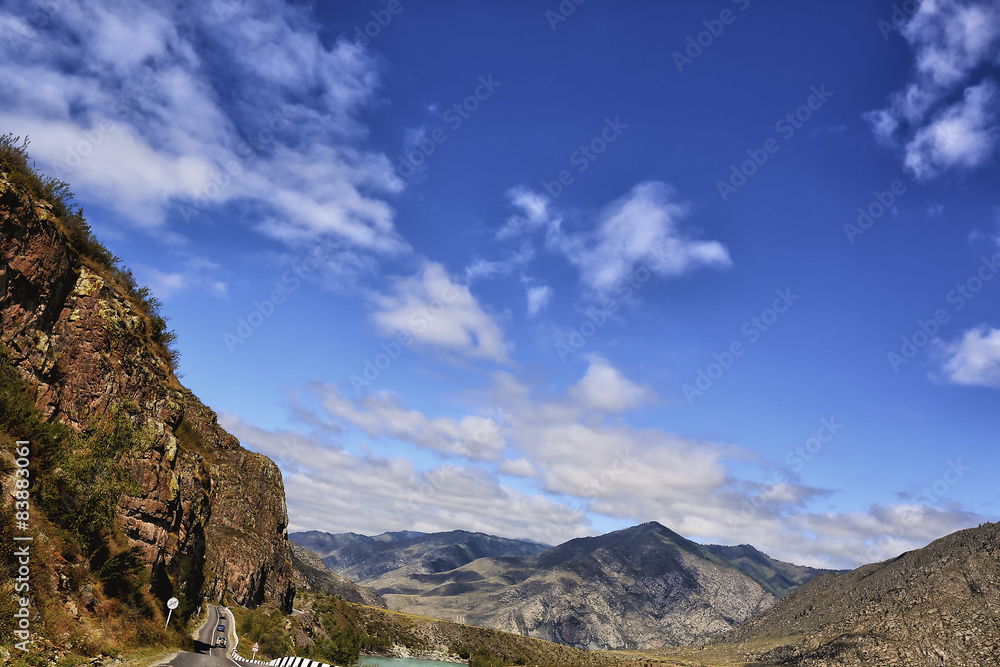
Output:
x=120 y=572
x=374 y=644
x=342 y=648
x=7 y=597
x=485 y=658
x=77 y=481
x=78 y=478
x=267 y=628
x=92 y=477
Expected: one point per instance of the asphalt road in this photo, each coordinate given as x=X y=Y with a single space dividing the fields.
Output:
x=196 y=660
x=206 y=653
x=205 y=641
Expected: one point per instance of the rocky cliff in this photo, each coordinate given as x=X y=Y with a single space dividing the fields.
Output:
x=208 y=515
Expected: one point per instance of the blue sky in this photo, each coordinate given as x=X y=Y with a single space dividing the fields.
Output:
x=546 y=270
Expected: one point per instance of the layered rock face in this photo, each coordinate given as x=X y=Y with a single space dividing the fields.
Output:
x=210 y=514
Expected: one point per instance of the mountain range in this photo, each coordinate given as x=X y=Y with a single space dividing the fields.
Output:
x=361 y=558
x=637 y=588
x=310 y=574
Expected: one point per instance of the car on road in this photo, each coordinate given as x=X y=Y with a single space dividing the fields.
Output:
x=221 y=642
x=221 y=628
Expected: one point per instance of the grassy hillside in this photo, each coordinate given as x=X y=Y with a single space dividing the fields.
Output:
x=311 y=574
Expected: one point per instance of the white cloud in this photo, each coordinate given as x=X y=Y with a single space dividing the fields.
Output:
x=952 y=37
x=639 y=474
x=581 y=449
x=605 y=389
x=196 y=273
x=165 y=285
x=483 y=268
x=944 y=117
x=963 y=135
x=517 y=468
x=332 y=489
x=317 y=191
x=383 y=415
x=539 y=297
x=533 y=213
x=120 y=170
x=439 y=312
x=145 y=111
x=973 y=359
x=848 y=539
x=640 y=231
x=578 y=459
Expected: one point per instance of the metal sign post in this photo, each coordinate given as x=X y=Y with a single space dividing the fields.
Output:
x=254 y=649
x=171 y=605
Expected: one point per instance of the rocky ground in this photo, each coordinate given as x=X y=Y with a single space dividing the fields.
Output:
x=939 y=605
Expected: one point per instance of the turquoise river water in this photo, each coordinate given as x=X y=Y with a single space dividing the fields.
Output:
x=400 y=662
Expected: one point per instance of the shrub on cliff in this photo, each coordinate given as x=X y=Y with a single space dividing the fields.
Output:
x=76 y=483
x=21 y=172
x=92 y=477
x=78 y=478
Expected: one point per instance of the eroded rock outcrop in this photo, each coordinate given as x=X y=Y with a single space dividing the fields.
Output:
x=209 y=514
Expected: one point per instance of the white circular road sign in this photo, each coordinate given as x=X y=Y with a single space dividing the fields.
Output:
x=172 y=603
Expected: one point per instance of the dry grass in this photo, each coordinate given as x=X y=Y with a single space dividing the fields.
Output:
x=713 y=655
x=147 y=657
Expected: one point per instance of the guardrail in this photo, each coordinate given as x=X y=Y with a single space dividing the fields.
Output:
x=278 y=662
x=284 y=662
x=232 y=625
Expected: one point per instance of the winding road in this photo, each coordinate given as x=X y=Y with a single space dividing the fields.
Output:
x=205 y=652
